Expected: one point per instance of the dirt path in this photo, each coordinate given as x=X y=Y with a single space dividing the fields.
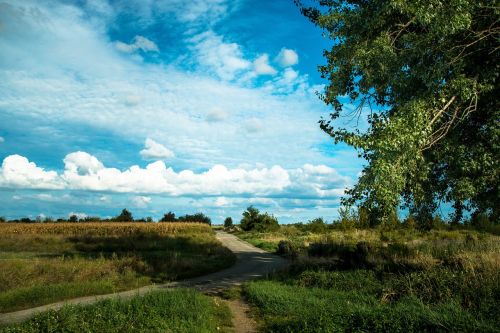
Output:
x=252 y=263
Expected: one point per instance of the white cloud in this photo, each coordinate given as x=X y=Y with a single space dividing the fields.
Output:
x=155 y=151
x=2 y=139
x=221 y=202
x=77 y=214
x=224 y=59
x=262 y=67
x=287 y=57
x=74 y=59
x=132 y=100
x=216 y=115
x=17 y=171
x=253 y=125
x=138 y=43
x=141 y=201
x=84 y=172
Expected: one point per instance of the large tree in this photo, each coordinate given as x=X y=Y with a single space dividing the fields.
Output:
x=425 y=74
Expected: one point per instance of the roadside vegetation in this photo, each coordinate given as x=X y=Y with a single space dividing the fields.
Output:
x=42 y=263
x=179 y=310
x=378 y=279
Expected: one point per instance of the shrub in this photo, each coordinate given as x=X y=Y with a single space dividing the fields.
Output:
x=287 y=249
x=317 y=225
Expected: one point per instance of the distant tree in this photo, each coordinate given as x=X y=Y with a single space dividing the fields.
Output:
x=169 y=217
x=125 y=216
x=254 y=220
x=198 y=217
x=26 y=220
x=149 y=219
x=2 y=219
x=228 y=222
x=73 y=218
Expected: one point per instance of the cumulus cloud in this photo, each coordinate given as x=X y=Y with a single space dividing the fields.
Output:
x=138 y=43
x=18 y=172
x=262 y=67
x=155 y=151
x=216 y=115
x=83 y=171
x=224 y=59
x=287 y=57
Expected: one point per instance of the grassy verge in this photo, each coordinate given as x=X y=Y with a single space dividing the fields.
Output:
x=181 y=310
x=43 y=263
x=382 y=281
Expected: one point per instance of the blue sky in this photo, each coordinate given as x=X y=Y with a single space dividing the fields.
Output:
x=188 y=106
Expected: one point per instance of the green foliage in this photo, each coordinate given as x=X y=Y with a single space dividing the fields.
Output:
x=317 y=225
x=181 y=310
x=428 y=71
x=198 y=217
x=228 y=222
x=254 y=220
x=125 y=216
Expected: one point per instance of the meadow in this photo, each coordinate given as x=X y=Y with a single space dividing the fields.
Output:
x=42 y=263
x=378 y=280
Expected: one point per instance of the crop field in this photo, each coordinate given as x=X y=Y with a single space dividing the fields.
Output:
x=42 y=263
x=374 y=280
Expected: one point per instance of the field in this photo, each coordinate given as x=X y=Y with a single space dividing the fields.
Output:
x=376 y=280
x=44 y=263
x=180 y=310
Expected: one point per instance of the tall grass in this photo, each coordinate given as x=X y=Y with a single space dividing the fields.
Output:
x=381 y=281
x=181 y=310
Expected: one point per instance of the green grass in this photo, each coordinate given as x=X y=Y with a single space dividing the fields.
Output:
x=381 y=281
x=181 y=310
x=40 y=264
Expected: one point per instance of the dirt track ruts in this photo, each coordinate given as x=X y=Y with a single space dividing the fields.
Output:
x=251 y=263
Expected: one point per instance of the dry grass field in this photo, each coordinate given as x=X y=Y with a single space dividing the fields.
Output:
x=46 y=262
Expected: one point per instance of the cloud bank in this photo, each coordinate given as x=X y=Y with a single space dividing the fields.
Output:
x=83 y=171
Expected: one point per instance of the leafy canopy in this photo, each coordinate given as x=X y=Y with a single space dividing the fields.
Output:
x=425 y=75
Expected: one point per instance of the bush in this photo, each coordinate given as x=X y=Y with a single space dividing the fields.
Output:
x=317 y=225
x=287 y=249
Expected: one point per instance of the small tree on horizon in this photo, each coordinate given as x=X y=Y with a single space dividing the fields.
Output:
x=228 y=222
x=125 y=216
x=168 y=217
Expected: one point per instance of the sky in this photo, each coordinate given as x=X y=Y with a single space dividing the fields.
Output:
x=170 y=105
